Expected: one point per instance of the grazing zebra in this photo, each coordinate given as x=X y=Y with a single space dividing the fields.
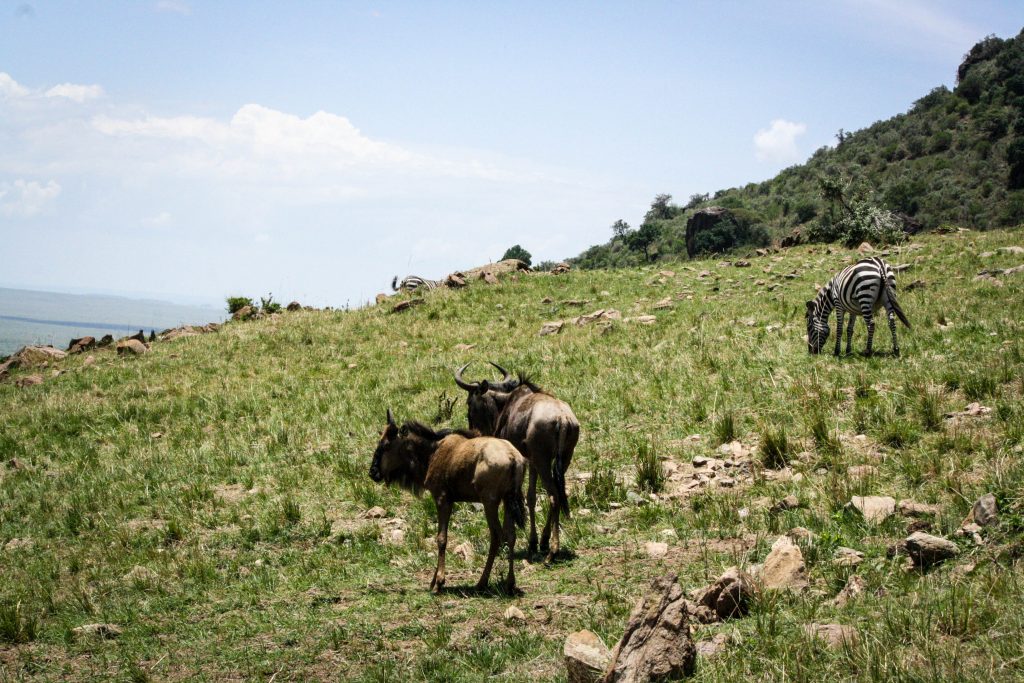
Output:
x=859 y=289
x=411 y=283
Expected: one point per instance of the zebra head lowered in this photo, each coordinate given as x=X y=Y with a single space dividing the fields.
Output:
x=817 y=325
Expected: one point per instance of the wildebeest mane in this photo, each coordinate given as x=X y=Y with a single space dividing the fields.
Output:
x=425 y=432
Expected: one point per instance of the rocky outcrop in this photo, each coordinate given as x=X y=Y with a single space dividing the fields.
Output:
x=657 y=644
x=81 y=344
x=701 y=221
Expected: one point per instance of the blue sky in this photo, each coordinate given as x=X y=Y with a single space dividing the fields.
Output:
x=315 y=149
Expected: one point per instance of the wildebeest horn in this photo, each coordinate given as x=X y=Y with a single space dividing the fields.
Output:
x=391 y=418
x=502 y=370
x=463 y=384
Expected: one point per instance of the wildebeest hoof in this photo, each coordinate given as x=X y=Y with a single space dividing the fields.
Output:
x=896 y=353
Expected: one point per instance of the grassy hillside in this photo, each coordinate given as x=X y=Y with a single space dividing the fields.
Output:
x=955 y=157
x=207 y=497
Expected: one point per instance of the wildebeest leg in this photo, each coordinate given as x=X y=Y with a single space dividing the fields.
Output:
x=531 y=504
x=510 y=538
x=550 y=533
x=444 y=513
x=494 y=526
x=849 y=334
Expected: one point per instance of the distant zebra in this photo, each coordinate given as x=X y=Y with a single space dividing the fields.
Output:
x=411 y=283
x=859 y=289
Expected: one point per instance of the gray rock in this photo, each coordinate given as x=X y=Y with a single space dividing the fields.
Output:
x=834 y=635
x=927 y=550
x=876 y=509
x=909 y=508
x=985 y=511
x=586 y=657
x=847 y=557
x=784 y=566
x=714 y=646
x=730 y=595
x=790 y=502
x=104 y=631
x=853 y=589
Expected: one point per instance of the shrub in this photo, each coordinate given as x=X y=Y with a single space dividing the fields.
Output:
x=268 y=305
x=237 y=303
x=774 y=448
x=649 y=475
x=16 y=626
x=517 y=252
x=725 y=428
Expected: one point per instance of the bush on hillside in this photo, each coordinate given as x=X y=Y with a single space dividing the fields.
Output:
x=517 y=252
x=236 y=303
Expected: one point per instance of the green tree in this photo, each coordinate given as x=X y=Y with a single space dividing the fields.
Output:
x=518 y=252
x=620 y=229
x=642 y=239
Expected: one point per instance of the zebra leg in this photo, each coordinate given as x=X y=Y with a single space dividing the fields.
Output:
x=849 y=334
x=839 y=331
x=892 y=328
x=869 y=320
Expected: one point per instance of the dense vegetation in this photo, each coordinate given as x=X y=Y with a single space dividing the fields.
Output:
x=956 y=157
x=210 y=497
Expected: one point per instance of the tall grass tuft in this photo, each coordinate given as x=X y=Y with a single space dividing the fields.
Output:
x=649 y=474
x=725 y=428
x=603 y=488
x=774 y=448
x=825 y=440
x=929 y=408
x=15 y=626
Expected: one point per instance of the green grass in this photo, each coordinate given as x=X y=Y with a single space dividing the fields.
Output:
x=233 y=467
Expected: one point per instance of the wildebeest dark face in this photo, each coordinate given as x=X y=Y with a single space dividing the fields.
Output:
x=816 y=335
x=483 y=409
x=393 y=458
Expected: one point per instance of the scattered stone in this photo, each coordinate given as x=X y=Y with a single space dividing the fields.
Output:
x=376 y=512
x=395 y=537
x=657 y=644
x=876 y=509
x=909 y=508
x=81 y=344
x=664 y=303
x=465 y=551
x=972 y=531
x=586 y=657
x=847 y=557
x=927 y=550
x=730 y=595
x=741 y=264
x=645 y=319
x=548 y=300
x=551 y=328
x=464 y=347
x=294 y=306
x=801 y=534
x=243 y=313
x=1012 y=250
x=853 y=589
x=131 y=347
x=38 y=355
x=561 y=268
x=985 y=511
x=15 y=464
x=381 y=298
x=656 y=549
x=514 y=615
x=104 y=631
x=784 y=566
x=28 y=381
x=489 y=278
x=106 y=340
x=455 y=281
x=712 y=647
x=790 y=502
x=834 y=635
x=972 y=410
x=407 y=304
x=865 y=248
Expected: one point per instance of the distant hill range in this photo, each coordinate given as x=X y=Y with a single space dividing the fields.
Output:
x=957 y=157
x=32 y=317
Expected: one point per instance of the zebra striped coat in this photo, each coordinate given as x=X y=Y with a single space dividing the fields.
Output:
x=411 y=283
x=860 y=289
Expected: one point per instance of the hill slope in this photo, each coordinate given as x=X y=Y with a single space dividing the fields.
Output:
x=208 y=496
x=956 y=157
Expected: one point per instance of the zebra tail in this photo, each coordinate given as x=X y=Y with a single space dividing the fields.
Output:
x=897 y=310
x=394 y=284
x=562 y=498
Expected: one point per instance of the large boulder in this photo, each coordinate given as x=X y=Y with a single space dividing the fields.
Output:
x=81 y=344
x=37 y=355
x=657 y=644
x=927 y=550
x=131 y=347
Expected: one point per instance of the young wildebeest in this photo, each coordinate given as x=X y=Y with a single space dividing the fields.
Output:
x=456 y=466
x=543 y=428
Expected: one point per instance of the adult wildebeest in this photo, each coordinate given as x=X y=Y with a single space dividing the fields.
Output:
x=543 y=428
x=456 y=466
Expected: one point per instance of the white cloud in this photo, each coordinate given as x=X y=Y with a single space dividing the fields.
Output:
x=77 y=93
x=10 y=87
x=26 y=198
x=160 y=220
x=173 y=6
x=777 y=143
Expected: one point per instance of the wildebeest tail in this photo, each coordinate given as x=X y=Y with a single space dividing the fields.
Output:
x=514 y=503
x=394 y=284
x=560 y=464
x=896 y=308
